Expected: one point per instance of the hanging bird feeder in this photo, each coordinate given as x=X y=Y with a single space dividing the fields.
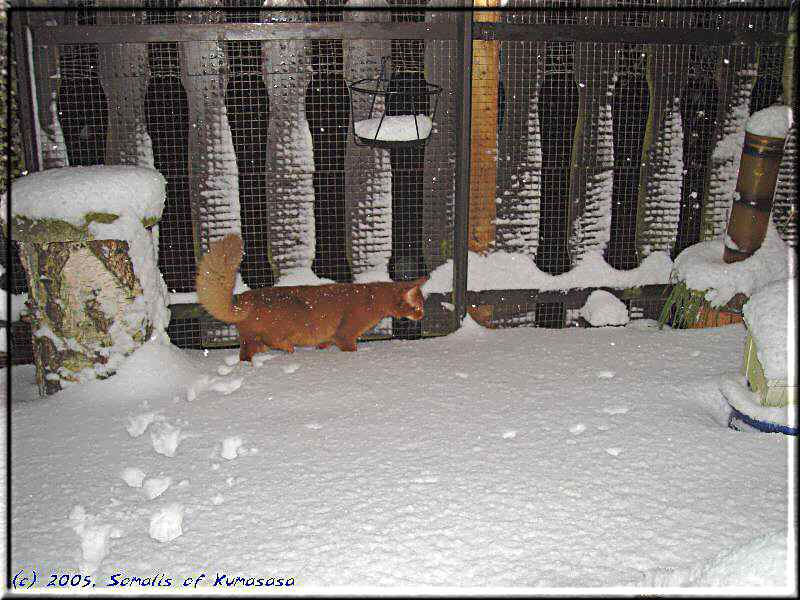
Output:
x=401 y=109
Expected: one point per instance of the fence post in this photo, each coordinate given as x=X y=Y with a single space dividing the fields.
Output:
x=462 y=166
x=483 y=150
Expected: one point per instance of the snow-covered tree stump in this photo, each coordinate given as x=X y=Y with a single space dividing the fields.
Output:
x=89 y=247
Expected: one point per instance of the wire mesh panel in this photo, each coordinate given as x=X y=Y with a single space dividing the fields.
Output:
x=768 y=90
x=328 y=113
x=593 y=181
x=166 y=109
x=368 y=168
x=736 y=71
x=654 y=139
x=247 y=106
x=784 y=211
x=629 y=113
x=439 y=166
x=699 y=102
x=252 y=137
x=82 y=105
x=519 y=164
x=12 y=265
x=607 y=147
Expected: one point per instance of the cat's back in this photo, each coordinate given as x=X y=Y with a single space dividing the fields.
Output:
x=330 y=299
x=331 y=295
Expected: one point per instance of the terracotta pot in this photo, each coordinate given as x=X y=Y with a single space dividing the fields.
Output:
x=714 y=317
x=730 y=314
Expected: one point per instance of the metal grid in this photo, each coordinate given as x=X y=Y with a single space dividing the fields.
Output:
x=247 y=106
x=166 y=111
x=652 y=112
x=253 y=136
x=736 y=71
x=629 y=112
x=83 y=106
x=327 y=111
x=767 y=90
x=673 y=14
x=13 y=164
x=698 y=114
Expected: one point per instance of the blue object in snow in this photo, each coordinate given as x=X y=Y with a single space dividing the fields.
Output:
x=737 y=418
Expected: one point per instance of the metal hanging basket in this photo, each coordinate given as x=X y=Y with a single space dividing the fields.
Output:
x=401 y=109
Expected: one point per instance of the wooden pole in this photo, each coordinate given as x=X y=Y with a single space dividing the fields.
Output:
x=483 y=153
x=483 y=159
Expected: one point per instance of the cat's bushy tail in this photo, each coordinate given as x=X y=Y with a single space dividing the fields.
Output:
x=216 y=276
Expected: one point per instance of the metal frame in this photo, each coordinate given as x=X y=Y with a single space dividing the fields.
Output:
x=461 y=208
x=573 y=298
x=229 y=32
x=20 y=35
x=523 y=32
x=349 y=30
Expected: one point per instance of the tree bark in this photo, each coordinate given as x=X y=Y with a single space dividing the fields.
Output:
x=83 y=319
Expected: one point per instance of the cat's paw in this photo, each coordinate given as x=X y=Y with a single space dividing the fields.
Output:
x=346 y=346
x=283 y=345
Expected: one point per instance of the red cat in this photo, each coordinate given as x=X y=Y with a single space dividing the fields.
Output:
x=305 y=315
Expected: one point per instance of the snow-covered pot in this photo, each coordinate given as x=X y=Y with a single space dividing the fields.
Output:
x=766 y=398
x=764 y=140
x=770 y=316
x=710 y=316
x=89 y=248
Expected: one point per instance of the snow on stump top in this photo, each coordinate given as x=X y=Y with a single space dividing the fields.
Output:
x=773 y=121
x=95 y=290
x=701 y=268
x=67 y=204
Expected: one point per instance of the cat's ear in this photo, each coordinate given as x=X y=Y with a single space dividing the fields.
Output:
x=410 y=296
x=420 y=281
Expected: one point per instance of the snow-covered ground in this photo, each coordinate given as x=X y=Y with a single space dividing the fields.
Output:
x=484 y=459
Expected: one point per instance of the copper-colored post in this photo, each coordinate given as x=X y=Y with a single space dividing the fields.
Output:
x=483 y=159
x=755 y=187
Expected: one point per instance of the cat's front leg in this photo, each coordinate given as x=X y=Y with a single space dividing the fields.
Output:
x=284 y=345
x=351 y=327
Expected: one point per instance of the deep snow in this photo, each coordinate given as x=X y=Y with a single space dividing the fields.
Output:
x=489 y=459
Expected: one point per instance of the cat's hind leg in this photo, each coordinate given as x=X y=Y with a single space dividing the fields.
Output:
x=345 y=345
x=346 y=336
x=248 y=347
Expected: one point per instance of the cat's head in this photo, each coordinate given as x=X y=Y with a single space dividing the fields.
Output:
x=411 y=303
